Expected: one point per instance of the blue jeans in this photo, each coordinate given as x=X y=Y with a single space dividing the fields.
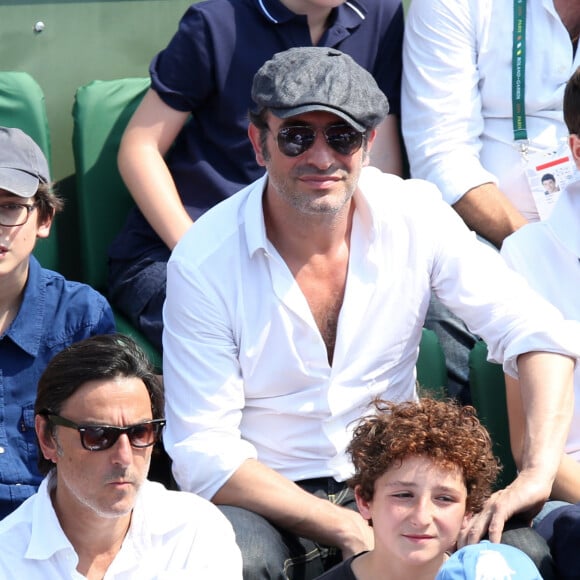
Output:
x=137 y=289
x=269 y=552
x=561 y=529
x=549 y=506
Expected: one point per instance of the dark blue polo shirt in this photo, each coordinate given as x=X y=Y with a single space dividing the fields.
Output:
x=208 y=68
x=54 y=313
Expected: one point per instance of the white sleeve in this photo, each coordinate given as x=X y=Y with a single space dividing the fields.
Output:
x=496 y=303
x=203 y=384
x=440 y=102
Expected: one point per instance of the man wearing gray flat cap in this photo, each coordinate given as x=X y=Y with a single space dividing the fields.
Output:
x=40 y=311
x=294 y=303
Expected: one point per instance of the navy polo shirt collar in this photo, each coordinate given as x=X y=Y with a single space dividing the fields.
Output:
x=348 y=15
x=26 y=329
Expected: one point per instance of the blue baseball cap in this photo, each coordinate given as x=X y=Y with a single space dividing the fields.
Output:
x=489 y=561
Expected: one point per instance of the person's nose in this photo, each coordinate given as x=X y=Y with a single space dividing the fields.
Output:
x=422 y=513
x=321 y=154
x=122 y=451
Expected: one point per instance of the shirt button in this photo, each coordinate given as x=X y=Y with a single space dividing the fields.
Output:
x=1 y=449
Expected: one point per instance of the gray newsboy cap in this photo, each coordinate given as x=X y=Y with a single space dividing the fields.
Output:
x=23 y=165
x=306 y=79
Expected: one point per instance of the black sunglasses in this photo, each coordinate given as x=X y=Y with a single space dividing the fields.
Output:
x=293 y=140
x=101 y=437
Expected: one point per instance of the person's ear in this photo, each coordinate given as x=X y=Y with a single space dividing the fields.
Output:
x=46 y=440
x=574 y=142
x=43 y=226
x=466 y=519
x=364 y=506
x=255 y=139
x=369 y=145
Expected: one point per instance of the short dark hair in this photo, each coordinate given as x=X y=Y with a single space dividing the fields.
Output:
x=106 y=356
x=572 y=103
x=260 y=120
x=547 y=177
x=449 y=434
x=49 y=203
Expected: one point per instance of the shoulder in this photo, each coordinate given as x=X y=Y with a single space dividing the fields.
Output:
x=220 y=230
x=70 y=293
x=461 y=13
x=169 y=510
x=222 y=13
x=411 y=210
x=370 y=8
x=390 y=193
x=74 y=306
x=342 y=571
x=212 y=8
x=15 y=533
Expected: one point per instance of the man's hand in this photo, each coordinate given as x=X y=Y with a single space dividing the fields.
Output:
x=524 y=496
x=357 y=536
x=262 y=490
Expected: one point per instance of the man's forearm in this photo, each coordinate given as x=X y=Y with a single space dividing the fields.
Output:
x=547 y=391
x=566 y=486
x=487 y=211
x=262 y=490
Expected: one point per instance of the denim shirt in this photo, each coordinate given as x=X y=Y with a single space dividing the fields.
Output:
x=54 y=314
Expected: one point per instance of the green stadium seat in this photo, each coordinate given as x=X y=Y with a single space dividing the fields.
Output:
x=431 y=367
x=22 y=105
x=101 y=112
x=487 y=385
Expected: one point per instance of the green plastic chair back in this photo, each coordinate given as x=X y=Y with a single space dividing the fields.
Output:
x=431 y=367
x=22 y=105
x=101 y=112
x=487 y=385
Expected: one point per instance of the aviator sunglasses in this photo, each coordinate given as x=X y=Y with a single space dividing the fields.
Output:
x=101 y=437
x=293 y=140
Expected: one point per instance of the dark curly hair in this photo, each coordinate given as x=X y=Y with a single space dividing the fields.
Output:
x=447 y=433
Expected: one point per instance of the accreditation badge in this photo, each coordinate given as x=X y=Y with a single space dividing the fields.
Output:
x=548 y=173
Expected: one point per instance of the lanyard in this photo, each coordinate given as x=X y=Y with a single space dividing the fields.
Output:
x=519 y=71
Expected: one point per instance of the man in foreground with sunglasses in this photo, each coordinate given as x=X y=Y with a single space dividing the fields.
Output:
x=99 y=412
x=296 y=302
x=40 y=311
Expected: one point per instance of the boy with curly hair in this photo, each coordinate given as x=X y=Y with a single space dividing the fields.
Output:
x=421 y=469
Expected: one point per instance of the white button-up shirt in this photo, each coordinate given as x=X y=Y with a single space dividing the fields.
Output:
x=547 y=254
x=173 y=535
x=456 y=93
x=245 y=367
